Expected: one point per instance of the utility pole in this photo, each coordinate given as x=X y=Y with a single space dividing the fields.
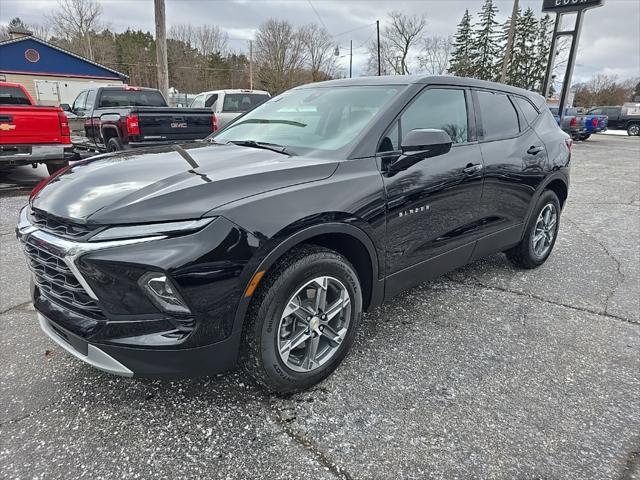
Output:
x=250 y=64
x=507 y=53
x=378 y=31
x=350 y=57
x=161 y=49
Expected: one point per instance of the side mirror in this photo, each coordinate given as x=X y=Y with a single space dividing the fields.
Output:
x=419 y=144
x=65 y=107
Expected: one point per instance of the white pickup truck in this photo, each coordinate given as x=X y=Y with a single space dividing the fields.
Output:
x=229 y=104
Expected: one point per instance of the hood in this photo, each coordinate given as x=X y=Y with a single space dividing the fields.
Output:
x=171 y=182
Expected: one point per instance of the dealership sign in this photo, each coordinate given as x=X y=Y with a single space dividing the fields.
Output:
x=569 y=5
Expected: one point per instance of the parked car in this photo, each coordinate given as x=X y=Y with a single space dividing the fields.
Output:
x=593 y=123
x=229 y=104
x=626 y=117
x=573 y=122
x=109 y=119
x=31 y=134
x=267 y=241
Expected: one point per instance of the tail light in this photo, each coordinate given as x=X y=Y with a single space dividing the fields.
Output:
x=594 y=122
x=214 y=123
x=569 y=143
x=65 y=132
x=573 y=122
x=133 y=125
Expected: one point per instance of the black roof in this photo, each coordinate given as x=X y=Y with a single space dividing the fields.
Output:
x=427 y=79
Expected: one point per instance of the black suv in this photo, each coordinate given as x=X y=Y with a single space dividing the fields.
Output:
x=267 y=241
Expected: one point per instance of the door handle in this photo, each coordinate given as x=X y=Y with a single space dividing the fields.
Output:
x=472 y=168
x=534 y=150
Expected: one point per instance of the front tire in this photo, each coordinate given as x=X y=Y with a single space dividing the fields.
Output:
x=540 y=235
x=633 y=130
x=302 y=321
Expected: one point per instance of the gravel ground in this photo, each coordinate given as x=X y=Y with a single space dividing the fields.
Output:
x=489 y=372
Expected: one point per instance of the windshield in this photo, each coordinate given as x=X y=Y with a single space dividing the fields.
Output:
x=311 y=120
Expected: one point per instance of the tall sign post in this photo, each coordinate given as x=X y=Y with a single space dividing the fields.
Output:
x=561 y=8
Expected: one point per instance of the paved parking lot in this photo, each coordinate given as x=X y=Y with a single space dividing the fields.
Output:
x=489 y=372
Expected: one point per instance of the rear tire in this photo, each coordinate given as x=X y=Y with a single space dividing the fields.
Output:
x=540 y=235
x=114 y=145
x=53 y=167
x=633 y=130
x=287 y=353
x=585 y=137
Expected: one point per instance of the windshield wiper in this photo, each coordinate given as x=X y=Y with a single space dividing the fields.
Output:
x=274 y=147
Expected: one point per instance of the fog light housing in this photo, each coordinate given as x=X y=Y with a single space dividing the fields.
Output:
x=163 y=293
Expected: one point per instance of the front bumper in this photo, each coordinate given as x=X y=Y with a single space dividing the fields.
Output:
x=98 y=317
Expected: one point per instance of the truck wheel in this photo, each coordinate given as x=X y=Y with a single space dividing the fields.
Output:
x=541 y=233
x=114 y=145
x=633 y=130
x=302 y=320
x=53 y=167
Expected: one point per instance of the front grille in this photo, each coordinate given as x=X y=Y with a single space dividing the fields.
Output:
x=59 y=227
x=58 y=284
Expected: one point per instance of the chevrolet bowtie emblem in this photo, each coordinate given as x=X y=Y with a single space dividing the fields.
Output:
x=5 y=127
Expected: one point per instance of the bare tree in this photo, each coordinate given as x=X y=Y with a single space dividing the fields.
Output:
x=436 y=52
x=279 y=55
x=321 y=60
x=398 y=37
x=77 y=20
x=208 y=39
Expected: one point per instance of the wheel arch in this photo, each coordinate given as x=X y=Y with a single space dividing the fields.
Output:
x=348 y=240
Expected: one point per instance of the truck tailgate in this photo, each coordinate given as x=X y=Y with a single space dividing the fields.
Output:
x=29 y=125
x=174 y=123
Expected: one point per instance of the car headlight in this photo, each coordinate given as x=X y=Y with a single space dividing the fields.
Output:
x=152 y=229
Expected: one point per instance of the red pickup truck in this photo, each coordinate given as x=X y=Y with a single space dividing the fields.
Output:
x=32 y=134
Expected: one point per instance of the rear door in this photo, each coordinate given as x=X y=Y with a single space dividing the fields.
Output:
x=514 y=163
x=432 y=206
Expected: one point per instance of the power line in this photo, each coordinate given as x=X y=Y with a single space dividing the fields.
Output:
x=318 y=15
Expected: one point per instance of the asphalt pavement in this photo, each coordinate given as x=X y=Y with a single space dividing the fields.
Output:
x=489 y=372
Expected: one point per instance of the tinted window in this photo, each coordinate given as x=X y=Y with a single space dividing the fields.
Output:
x=443 y=109
x=79 y=102
x=211 y=100
x=131 y=98
x=198 y=102
x=242 y=102
x=528 y=110
x=91 y=98
x=13 y=96
x=499 y=117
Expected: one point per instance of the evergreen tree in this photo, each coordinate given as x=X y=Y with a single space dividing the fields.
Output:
x=460 y=64
x=511 y=67
x=543 y=50
x=525 y=73
x=485 y=47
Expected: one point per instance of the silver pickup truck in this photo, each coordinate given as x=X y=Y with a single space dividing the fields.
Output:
x=229 y=104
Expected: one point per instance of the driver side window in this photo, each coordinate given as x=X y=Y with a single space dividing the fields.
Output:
x=78 y=104
x=439 y=108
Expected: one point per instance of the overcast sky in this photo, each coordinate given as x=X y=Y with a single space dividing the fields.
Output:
x=610 y=40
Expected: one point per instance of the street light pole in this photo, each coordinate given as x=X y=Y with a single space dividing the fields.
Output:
x=507 y=53
x=350 y=57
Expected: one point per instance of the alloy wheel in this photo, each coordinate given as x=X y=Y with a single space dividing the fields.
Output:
x=545 y=230
x=314 y=324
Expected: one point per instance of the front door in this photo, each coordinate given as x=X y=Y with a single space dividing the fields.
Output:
x=432 y=215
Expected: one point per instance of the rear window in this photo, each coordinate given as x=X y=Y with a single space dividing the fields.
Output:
x=242 y=102
x=499 y=117
x=131 y=98
x=528 y=110
x=13 y=96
